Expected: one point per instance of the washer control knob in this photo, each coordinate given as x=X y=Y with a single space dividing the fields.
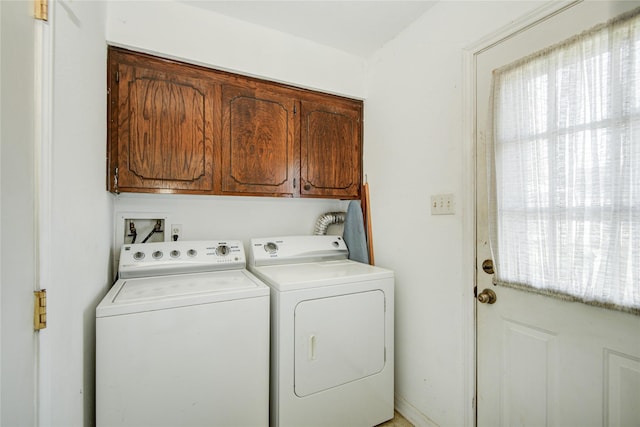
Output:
x=271 y=247
x=138 y=256
x=175 y=253
x=192 y=252
x=222 y=250
x=157 y=254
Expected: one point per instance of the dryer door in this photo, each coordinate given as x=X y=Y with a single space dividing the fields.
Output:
x=338 y=339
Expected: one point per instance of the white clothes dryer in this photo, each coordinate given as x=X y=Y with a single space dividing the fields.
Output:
x=332 y=333
x=182 y=339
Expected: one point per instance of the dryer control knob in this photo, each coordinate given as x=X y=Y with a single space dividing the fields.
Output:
x=271 y=247
x=222 y=250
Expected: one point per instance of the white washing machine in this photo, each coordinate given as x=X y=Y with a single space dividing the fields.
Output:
x=331 y=333
x=182 y=339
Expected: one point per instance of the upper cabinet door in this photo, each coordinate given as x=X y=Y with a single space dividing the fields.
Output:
x=259 y=144
x=162 y=127
x=331 y=149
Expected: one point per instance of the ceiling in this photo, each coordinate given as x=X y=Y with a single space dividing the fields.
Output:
x=357 y=27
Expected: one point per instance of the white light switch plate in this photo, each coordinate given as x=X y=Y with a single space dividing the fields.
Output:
x=443 y=204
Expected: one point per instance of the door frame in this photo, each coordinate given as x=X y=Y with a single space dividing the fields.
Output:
x=468 y=191
x=44 y=52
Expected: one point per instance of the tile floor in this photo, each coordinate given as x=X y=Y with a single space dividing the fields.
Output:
x=397 y=421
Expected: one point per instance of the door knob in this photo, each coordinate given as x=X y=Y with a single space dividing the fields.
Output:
x=487 y=297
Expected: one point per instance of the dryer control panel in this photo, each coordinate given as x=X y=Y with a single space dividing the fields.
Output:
x=296 y=249
x=162 y=258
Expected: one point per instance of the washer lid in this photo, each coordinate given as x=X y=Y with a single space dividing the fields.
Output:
x=163 y=292
x=288 y=277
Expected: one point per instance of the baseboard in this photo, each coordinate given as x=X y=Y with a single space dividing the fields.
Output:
x=412 y=414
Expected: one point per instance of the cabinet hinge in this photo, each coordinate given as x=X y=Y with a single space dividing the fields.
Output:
x=40 y=309
x=41 y=9
x=115 y=181
x=117 y=76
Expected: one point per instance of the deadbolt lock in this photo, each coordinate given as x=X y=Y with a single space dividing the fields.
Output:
x=487 y=266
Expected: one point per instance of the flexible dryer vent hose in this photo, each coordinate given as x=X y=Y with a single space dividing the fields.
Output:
x=326 y=220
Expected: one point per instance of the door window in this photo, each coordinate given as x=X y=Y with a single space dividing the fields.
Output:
x=565 y=168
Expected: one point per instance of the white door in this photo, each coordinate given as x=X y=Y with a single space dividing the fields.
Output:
x=18 y=342
x=543 y=361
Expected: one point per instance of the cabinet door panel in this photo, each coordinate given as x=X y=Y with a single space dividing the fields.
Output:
x=258 y=150
x=330 y=150
x=165 y=130
x=167 y=145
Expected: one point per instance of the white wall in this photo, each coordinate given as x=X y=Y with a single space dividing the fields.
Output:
x=414 y=149
x=199 y=36
x=17 y=276
x=81 y=210
x=176 y=30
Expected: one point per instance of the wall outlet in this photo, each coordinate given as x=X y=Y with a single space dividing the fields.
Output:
x=443 y=204
x=176 y=232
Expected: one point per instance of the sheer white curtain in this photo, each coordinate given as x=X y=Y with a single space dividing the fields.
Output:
x=565 y=202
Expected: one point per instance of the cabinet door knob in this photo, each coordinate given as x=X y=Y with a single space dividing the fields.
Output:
x=307 y=187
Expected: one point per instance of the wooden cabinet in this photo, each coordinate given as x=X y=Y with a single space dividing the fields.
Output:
x=161 y=126
x=330 y=155
x=181 y=128
x=259 y=143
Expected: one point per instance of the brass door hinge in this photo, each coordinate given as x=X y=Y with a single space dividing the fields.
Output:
x=40 y=309
x=41 y=9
